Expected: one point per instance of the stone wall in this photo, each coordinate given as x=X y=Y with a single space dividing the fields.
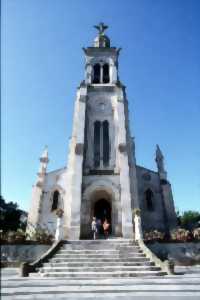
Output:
x=180 y=253
x=154 y=219
x=22 y=253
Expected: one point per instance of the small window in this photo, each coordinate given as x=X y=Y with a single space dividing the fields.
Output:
x=149 y=200
x=96 y=75
x=55 y=200
x=105 y=143
x=97 y=128
x=106 y=78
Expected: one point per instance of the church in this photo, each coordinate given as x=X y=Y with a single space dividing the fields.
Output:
x=102 y=178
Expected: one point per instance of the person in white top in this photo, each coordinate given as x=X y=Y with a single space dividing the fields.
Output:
x=94 y=228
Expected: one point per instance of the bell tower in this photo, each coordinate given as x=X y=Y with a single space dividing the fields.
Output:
x=102 y=179
x=101 y=162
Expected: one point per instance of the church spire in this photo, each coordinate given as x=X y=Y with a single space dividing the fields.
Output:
x=101 y=41
x=44 y=159
x=160 y=163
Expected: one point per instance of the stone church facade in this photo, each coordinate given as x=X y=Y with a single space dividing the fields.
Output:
x=102 y=178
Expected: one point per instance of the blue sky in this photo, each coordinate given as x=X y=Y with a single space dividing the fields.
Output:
x=43 y=63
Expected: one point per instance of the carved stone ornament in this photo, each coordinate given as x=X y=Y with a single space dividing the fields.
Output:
x=120 y=99
x=122 y=148
x=83 y=99
x=136 y=212
x=146 y=176
x=59 y=212
x=39 y=184
x=79 y=149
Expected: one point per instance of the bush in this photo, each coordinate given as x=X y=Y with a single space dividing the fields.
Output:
x=154 y=235
x=20 y=235
x=181 y=235
x=40 y=236
x=189 y=219
x=176 y=235
x=196 y=234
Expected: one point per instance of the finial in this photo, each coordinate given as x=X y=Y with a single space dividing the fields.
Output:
x=101 y=27
x=44 y=156
x=160 y=163
x=43 y=167
x=158 y=152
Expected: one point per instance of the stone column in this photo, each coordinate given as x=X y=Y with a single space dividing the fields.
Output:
x=169 y=205
x=113 y=73
x=72 y=201
x=138 y=227
x=101 y=74
x=59 y=233
x=35 y=210
x=122 y=156
x=88 y=74
x=38 y=194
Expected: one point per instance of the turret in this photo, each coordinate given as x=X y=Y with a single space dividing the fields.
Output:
x=160 y=163
x=43 y=167
x=101 y=60
x=170 y=215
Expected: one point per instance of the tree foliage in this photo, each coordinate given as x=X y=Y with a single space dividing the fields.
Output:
x=10 y=216
x=189 y=219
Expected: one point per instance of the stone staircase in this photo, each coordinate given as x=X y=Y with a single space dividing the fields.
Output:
x=111 y=269
x=99 y=259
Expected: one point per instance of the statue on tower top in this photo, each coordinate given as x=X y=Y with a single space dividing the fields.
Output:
x=101 y=41
x=101 y=27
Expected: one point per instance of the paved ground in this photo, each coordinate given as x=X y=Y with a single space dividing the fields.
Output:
x=185 y=286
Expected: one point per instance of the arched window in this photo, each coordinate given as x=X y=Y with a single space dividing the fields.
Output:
x=106 y=76
x=105 y=143
x=56 y=195
x=97 y=128
x=149 y=200
x=96 y=75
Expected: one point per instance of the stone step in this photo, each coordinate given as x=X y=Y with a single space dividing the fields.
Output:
x=101 y=241
x=132 y=295
x=153 y=280
x=99 y=289
x=104 y=274
x=98 y=269
x=80 y=260
x=97 y=244
x=100 y=251
x=98 y=255
x=89 y=251
x=97 y=263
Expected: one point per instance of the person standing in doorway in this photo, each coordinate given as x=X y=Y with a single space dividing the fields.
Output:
x=106 y=227
x=94 y=228
x=99 y=226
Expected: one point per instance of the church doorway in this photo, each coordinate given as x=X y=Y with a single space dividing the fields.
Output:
x=102 y=212
x=100 y=200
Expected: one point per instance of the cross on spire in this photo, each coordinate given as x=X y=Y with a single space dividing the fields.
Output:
x=101 y=27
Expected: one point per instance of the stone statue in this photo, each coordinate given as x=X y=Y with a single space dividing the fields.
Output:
x=101 y=27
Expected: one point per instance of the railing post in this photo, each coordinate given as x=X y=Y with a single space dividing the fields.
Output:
x=138 y=225
x=59 y=226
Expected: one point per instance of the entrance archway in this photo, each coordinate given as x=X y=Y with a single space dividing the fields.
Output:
x=102 y=212
x=101 y=199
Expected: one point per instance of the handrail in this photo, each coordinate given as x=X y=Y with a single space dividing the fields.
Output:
x=167 y=266
x=27 y=268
